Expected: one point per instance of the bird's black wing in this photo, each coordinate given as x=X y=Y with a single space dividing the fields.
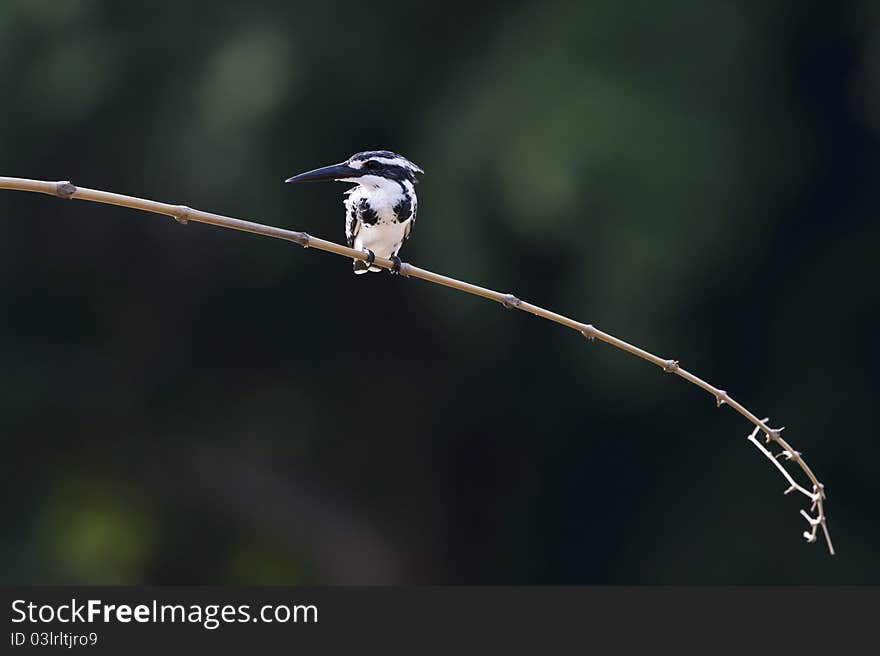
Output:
x=406 y=211
x=353 y=220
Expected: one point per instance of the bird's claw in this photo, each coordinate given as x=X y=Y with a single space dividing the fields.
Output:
x=371 y=257
x=395 y=269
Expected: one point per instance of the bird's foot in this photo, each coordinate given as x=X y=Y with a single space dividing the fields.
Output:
x=395 y=269
x=371 y=257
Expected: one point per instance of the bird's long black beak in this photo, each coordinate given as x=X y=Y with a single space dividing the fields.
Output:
x=335 y=172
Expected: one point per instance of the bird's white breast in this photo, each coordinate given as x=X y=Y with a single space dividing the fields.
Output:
x=382 y=239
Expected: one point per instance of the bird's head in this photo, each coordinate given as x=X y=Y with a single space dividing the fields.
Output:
x=371 y=168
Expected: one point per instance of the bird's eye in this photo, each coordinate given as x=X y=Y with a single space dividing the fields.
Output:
x=371 y=164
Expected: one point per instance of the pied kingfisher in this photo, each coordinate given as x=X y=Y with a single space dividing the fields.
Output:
x=381 y=209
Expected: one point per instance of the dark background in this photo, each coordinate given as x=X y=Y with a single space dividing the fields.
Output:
x=194 y=405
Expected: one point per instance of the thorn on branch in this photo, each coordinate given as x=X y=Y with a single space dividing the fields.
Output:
x=670 y=366
x=589 y=332
x=181 y=214
x=65 y=189
x=721 y=398
x=773 y=435
x=510 y=301
x=789 y=455
x=791 y=488
x=304 y=239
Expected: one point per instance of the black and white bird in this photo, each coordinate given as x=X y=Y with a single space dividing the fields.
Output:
x=381 y=209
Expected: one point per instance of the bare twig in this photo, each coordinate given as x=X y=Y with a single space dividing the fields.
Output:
x=183 y=214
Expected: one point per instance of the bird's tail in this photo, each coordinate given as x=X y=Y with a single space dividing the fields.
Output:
x=362 y=267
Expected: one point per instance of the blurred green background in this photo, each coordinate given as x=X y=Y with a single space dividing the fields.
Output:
x=194 y=405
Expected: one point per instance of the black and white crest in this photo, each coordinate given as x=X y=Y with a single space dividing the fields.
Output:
x=386 y=164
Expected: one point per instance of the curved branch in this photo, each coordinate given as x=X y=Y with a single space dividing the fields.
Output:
x=183 y=214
